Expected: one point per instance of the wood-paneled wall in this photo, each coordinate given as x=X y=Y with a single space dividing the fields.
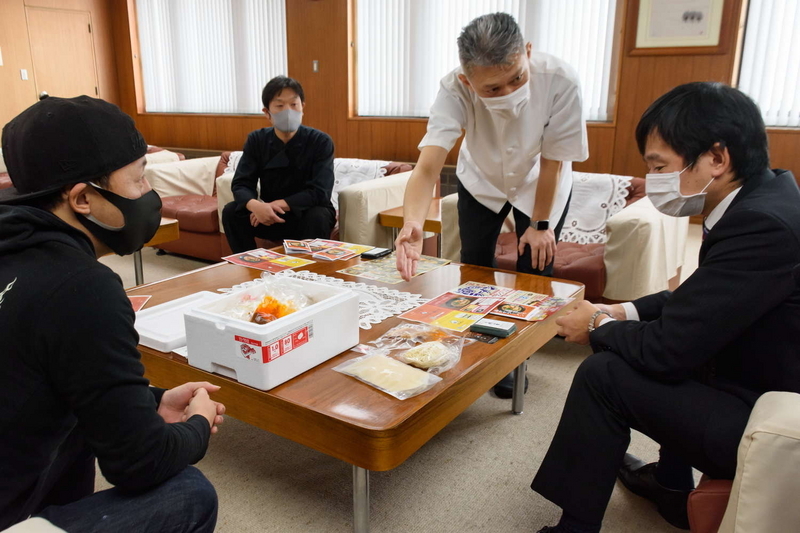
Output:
x=17 y=94
x=318 y=30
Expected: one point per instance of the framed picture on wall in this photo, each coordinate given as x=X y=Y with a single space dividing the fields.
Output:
x=681 y=26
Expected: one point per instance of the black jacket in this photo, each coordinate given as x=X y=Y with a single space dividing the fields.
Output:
x=735 y=322
x=68 y=357
x=300 y=171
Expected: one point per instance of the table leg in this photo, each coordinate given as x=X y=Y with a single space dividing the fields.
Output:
x=137 y=267
x=439 y=246
x=360 y=500
x=518 y=394
x=395 y=233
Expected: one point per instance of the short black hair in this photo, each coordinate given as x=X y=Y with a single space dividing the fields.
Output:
x=692 y=118
x=274 y=87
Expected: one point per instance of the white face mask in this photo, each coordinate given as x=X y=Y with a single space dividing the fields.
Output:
x=288 y=120
x=664 y=190
x=511 y=103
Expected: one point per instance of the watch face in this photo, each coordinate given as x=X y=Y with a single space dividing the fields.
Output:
x=541 y=224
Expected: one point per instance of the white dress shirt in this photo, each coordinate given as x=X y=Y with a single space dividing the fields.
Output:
x=630 y=310
x=499 y=158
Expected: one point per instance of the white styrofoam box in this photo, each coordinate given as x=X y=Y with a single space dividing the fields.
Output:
x=161 y=327
x=265 y=355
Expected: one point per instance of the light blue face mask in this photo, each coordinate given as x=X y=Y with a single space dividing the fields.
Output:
x=664 y=190
x=288 y=120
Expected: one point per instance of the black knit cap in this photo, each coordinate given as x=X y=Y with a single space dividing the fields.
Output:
x=63 y=141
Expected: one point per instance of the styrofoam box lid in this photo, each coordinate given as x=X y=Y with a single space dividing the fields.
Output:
x=318 y=292
x=162 y=328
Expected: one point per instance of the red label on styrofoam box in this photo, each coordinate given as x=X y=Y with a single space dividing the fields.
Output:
x=274 y=348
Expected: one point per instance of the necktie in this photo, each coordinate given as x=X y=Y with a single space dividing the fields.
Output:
x=705 y=230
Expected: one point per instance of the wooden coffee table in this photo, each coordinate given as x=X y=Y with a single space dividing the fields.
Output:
x=393 y=218
x=342 y=417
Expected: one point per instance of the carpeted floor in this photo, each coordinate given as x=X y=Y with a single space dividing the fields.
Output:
x=473 y=476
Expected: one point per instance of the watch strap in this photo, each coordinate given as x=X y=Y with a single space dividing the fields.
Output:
x=594 y=317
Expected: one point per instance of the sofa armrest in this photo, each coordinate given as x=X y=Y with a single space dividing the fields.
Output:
x=766 y=483
x=224 y=195
x=645 y=249
x=361 y=203
x=191 y=176
x=34 y=525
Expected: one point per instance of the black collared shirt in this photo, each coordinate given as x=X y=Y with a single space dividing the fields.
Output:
x=299 y=172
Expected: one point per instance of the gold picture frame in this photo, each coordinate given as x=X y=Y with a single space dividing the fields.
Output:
x=669 y=27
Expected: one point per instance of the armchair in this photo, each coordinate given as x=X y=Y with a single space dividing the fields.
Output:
x=643 y=253
x=761 y=495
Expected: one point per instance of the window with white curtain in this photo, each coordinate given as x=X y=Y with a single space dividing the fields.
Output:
x=770 y=68
x=210 y=56
x=404 y=47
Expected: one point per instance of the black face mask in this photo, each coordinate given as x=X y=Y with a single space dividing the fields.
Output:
x=142 y=218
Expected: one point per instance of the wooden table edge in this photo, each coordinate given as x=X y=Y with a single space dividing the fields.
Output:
x=381 y=448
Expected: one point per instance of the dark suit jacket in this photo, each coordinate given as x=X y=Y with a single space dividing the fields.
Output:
x=735 y=322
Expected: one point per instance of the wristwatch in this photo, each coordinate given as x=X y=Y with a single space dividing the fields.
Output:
x=594 y=317
x=540 y=225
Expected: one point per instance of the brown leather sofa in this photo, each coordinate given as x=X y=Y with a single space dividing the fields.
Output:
x=198 y=221
x=196 y=207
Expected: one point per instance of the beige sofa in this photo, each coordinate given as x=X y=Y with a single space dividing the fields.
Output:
x=198 y=183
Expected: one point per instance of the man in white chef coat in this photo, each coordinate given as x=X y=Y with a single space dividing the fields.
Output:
x=522 y=112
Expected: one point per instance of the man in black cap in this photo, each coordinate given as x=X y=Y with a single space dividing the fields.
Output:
x=72 y=387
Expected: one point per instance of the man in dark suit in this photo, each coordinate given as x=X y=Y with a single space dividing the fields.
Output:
x=685 y=368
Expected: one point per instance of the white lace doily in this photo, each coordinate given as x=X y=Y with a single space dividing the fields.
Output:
x=595 y=199
x=375 y=304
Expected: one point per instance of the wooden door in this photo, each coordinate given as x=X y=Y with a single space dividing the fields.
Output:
x=62 y=50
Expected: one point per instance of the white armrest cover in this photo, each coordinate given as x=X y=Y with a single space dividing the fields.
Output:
x=361 y=203
x=767 y=483
x=191 y=176
x=34 y=525
x=224 y=195
x=162 y=156
x=645 y=248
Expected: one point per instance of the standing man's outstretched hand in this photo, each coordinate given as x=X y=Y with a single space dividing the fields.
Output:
x=409 y=249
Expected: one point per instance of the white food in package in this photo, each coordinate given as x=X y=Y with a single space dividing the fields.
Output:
x=389 y=375
x=427 y=355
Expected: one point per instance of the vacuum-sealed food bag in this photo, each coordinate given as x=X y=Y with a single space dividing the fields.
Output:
x=435 y=356
x=389 y=375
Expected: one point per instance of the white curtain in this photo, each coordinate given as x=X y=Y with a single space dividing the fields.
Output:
x=404 y=47
x=210 y=56
x=770 y=71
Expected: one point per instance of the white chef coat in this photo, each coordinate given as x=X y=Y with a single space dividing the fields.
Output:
x=499 y=158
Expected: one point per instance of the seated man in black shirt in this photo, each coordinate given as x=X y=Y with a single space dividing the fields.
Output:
x=293 y=165
x=72 y=387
